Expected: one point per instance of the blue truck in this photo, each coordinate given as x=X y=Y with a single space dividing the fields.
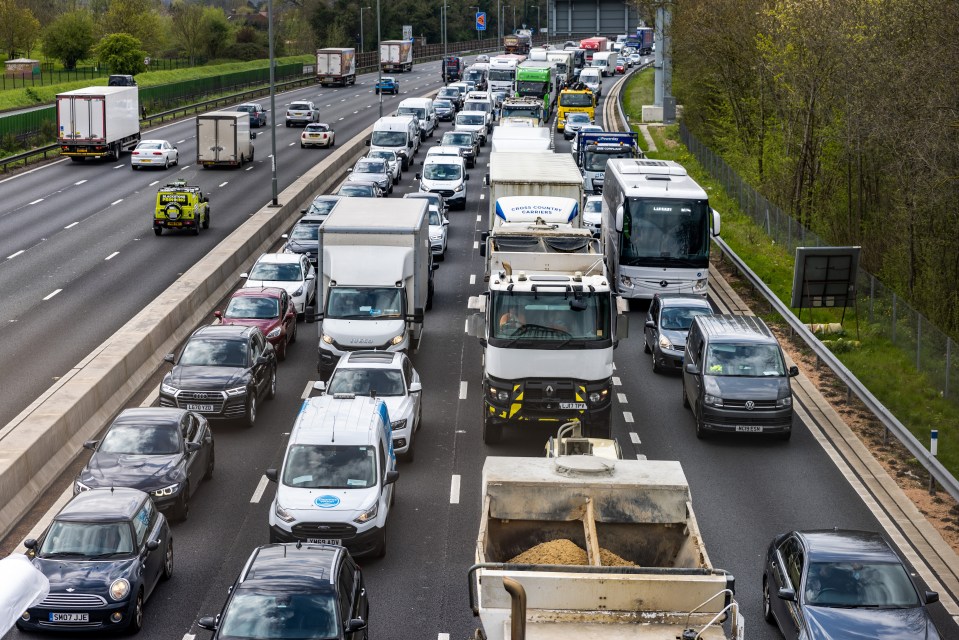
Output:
x=642 y=40
x=594 y=149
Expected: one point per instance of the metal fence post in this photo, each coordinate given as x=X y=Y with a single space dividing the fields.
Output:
x=872 y=294
x=945 y=392
x=918 y=342
x=894 y=300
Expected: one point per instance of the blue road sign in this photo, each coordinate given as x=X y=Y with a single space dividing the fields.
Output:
x=481 y=21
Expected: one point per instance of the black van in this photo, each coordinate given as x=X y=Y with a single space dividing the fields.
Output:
x=735 y=378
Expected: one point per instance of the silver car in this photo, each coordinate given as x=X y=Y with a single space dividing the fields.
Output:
x=393 y=160
x=372 y=170
x=302 y=112
x=439 y=228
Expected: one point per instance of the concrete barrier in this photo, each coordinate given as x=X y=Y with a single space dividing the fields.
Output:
x=41 y=442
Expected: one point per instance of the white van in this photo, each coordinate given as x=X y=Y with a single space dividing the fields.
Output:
x=604 y=61
x=445 y=175
x=422 y=110
x=336 y=482
x=593 y=79
x=480 y=101
x=399 y=134
x=473 y=121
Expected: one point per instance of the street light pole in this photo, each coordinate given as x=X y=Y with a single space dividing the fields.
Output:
x=269 y=9
x=362 y=9
x=379 y=64
x=537 y=18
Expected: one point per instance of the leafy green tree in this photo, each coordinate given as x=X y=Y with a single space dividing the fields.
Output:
x=19 y=29
x=69 y=38
x=187 y=27
x=121 y=53
x=139 y=18
x=217 y=32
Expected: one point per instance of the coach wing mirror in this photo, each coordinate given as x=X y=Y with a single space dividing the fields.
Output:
x=716 y=225
x=619 y=219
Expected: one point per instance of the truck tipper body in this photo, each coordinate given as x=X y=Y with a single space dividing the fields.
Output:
x=639 y=510
x=223 y=138
x=595 y=149
x=396 y=55
x=533 y=174
x=336 y=66
x=517 y=43
x=374 y=280
x=98 y=122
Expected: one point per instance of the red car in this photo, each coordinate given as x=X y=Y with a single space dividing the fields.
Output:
x=269 y=308
x=620 y=65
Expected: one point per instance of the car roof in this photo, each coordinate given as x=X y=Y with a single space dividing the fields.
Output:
x=143 y=416
x=835 y=545
x=224 y=331
x=371 y=360
x=151 y=140
x=684 y=300
x=444 y=159
x=291 y=567
x=274 y=258
x=443 y=150
x=259 y=292
x=362 y=183
x=732 y=328
x=103 y=505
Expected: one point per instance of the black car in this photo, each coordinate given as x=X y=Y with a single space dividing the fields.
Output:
x=222 y=373
x=104 y=554
x=445 y=110
x=304 y=237
x=164 y=452
x=321 y=206
x=667 y=325
x=466 y=141
x=295 y=590
x=833 y=584
x=452 y=94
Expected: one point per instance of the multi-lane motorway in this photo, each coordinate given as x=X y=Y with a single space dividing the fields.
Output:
x=745 y=490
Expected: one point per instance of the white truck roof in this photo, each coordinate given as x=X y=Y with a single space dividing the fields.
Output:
x=345 y=421
x=644 y=178
x=552 y=168
x=100 y=91
x=393 y=123
x=360 y=215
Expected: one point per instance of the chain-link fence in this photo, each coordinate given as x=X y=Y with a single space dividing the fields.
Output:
x=879 y=308
x=46 y=73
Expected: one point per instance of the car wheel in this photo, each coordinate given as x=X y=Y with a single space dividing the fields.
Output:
x=302 y=146
x=406 y=164
x=133 y=167
x=183 y=507
x=196 y=228
x=685 y=399
x=250 y=418
x=646 y=348
x=380 y=550
x=492 y=433
x=166 y=163
x=419 y=417
x=656 y=367
x=211 y=464
x=168 y=560
x=157 y=231
x=136 y=620
x=293 y=334
x=287 y=125
x=408 y=456
x=271 y=393
x=206 y=219
x=332 y=141
x=767 y=604
x=281 y=352
x=701 y=432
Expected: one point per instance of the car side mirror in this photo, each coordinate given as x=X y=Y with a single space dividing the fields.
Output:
x=31 y=543
x=787 y=594
x=650 y=324
x=367 y=143
x=356 y=624
x=793 y=371
x=446 y=222
x=91 y=444
x=619 y=218
x=271 y=475
x=218 y=315
x=350 y=170
x=207 y=622
x=692 y=369
x=193 y=447
x=417 y=176
x=244 y=275
x=262 y=359
x=320 y=386
x=931 y=596
x=391 y=477
x=416 y=387
x=169 y=358
x=467 y=176
x=153 y=545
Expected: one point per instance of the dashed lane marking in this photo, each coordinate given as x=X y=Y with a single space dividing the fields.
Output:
x=69 y=226
x=36 y=201
x=628 y=416
x=260 y=488
x=479 y=218
x=463 y=385
x=249 y=169
x=116 y=202
x=472 y=278
x=119 y=166
x=454 y=491
x=14 y=255
x=112 y=255
x=476 y=244
x=617 y=382
x=77 y=184
x=223 y=184
x=181 y=141
x=634 y=437
x=53 y=294
x=153 y=183
x=307 y=390
x=621 y=397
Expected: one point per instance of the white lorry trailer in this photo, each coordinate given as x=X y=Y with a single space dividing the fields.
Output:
x=375 y=281
x=223 y=139
x=522 y=140
x=98 y=122
x=336 y=66
x=396 y=55
x=661 y=586
x=533 y=174
x=562 y=63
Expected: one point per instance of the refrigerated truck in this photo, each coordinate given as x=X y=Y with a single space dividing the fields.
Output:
x=533 y=174
x=396 y=55
x=336 y=66
x=223 y=139
x=98 y=122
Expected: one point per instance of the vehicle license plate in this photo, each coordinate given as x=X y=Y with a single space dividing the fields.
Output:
x=323 y=540
x=69 y=617
x=572 y=405
x=314 y=135
x=174 y=224
x=748 y=428
x=146 y=161
x=199 y=407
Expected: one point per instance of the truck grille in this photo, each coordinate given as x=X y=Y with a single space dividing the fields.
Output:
x=538 y=392
x=324 y=530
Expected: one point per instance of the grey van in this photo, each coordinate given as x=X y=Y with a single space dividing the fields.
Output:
x=735 y=377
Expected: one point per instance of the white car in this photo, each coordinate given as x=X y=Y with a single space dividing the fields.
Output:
x=472 y=121
x=317 y=134
x=593 y=214
x=444 y=150
x=302 y=112
x=290 y=271
x=388 y=376
x=395 y=162
x=439 y=232
x=482 y=58
x=154 y=153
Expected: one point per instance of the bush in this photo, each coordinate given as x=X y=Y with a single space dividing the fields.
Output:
x=246 y=51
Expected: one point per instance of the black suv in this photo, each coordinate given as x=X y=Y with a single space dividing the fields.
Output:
x=295 y=590
x=222 y=373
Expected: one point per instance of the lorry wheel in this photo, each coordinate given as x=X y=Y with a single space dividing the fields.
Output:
x=492 y=433
x=250 y=417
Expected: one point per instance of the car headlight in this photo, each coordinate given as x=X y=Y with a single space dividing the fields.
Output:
x=626 y=281
x=80 y=487
x=298 y=292
x=282 y=513
x=398 y=339
x=327 y=339
x=437 y=238
x=700 y=286
x=664 y=343
x=459 y=189
x=168 y=388
x=166 y=491
x=367 y=515
x=275 y=333
x=236 y=391
x=713 y=401
x=396 y=425
x=120 y=589
x=782 y=403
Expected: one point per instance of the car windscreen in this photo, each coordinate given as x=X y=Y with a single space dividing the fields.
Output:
x=318 y=466
x=442 y=104
x=277 y=271
x=452 y=94
x=458 y=140
x=389 y=156
x=577 y=117
x=151 y=439
x=365 y=302
x=389 y=139
x=87 y=540
x=305 y=231
x=366 y=382
x=593 y=206
x=370 y=166
x=149 y=145
x=575 y=100
x=246 y=108
x=286 y=616
x=442 y=172
x=250 y=308
x=356 y=190
x=744 y=360
x=859 y=584
x=680 y=318
x=321 y=207
x=411 y=111
x=476 y=105
x=466 y=118
x=299 y=106
x=207 y=352
x=317 y=128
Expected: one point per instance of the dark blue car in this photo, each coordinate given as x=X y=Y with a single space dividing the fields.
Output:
x=826 y=585
x=104 y=554
x=387 y=84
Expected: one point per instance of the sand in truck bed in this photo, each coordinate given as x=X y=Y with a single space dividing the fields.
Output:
x=567 y=552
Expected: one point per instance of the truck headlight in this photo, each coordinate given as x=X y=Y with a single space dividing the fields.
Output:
x=499 y=395
x=168 y=388
x=236 y=392
x=367 y=515
x=397 y=425
x=598 y=396
x=166 y=491
x=782 y=403
x=713 y=401
x=282 y=513
x=664 y=343
x=275 y=333
x=327 y=339
x=120 y=589
x=397 y=339
x=626 y=281
x=700 y=286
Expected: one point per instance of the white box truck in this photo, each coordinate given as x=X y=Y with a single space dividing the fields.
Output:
x=98 y=122
x=396 y=55
x=522 y=140
x=375 y=280
x=533 y=174
x=223 y=138
x=336 y=66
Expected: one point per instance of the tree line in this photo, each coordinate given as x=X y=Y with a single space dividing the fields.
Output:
x=846 y=113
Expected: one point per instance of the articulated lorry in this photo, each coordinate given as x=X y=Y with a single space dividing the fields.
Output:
x=593 y=45
x=642 y=40
x=336 y=66
x=98 y=122
x=375 y=282
x=594 y=150
x=583 y=547
x=533 y=174
x=562 y=63
x=535 y=80
x=502 y=73
x=522 y=111
x=223 y=139
x=517 y=43
x=396 y=55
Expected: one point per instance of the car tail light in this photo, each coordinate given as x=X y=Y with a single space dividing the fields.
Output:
x=136 y=153
x=157 y=153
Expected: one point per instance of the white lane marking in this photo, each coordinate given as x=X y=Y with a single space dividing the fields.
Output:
x=355 y=112
x=181 y=141
x=454 y=492
x=329 y=105
x=622 y=398
x=340 y=119
x=185 y=168
x=112 y=255
x=223 y=184
x=443 y=636
x=343 y=100
x=614 y=366
x=260 y=488
x=628 y=416
x=476 y=244
x=249 y=169
x=71 y=225
x=77 y=184
x=466 y=326
x=116 y=202
x=463 y=385
x=307 y=390
x=634 y=437
x=291 y=144
x=153 y=183
x=617 y=382
x=53 y=294
x=640 y=456
x=472 y=278
x=119 y=166
x=482 y=196
x=479 y=218
x=14 y=255
x=36 y=201
x=189 y=636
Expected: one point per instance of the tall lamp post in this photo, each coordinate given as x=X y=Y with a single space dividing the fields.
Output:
x=269 y=10
x=362 y=9
x=537 y=17
x=379 y=65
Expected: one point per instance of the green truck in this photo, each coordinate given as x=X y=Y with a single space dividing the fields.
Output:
x=535 y=80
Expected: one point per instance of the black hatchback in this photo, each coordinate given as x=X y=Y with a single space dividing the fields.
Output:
x=222 y=373
x=295 y=590
x=104 y=554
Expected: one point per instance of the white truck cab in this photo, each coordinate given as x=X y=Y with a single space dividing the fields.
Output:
x=336 y=482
